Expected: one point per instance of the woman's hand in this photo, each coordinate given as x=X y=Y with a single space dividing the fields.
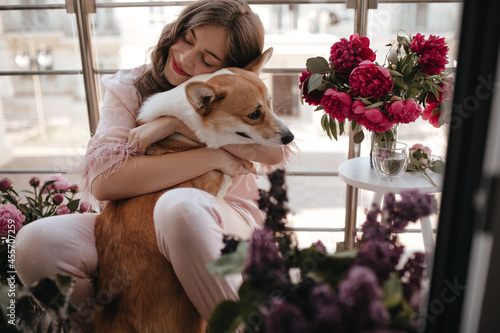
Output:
x=231 y=164
x=145 y=135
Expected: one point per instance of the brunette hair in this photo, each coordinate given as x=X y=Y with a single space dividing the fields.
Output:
x=245 y=38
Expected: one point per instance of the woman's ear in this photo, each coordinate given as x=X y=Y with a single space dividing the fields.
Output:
x=201 y=95
x=258 y=63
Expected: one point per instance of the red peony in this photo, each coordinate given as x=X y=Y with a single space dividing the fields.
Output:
x=373 y=119
x=337 y=104
x=312 y=98
x=432 y=113
x=346 y=55
x=404 y=112
x=370 y=80
x=433 y=53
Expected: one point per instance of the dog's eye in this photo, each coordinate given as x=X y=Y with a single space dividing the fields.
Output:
x=255 y=115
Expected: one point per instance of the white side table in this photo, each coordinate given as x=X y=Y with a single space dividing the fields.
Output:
x=358 y=173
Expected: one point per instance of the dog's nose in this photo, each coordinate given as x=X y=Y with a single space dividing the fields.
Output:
x=287 y=138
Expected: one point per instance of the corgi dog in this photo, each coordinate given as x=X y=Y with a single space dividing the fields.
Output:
x=137 y=288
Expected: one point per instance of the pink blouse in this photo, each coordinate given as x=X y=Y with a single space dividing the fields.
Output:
x=108 y=148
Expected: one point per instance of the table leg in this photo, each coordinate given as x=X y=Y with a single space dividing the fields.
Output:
x=377 y=199
x=427 y=234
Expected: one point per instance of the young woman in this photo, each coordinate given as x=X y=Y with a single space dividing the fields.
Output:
x=207 y=36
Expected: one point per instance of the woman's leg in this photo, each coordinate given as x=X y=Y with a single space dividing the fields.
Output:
x=62 y=244
x=189 y=225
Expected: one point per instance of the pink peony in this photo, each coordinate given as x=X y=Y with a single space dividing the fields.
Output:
x=432 y=113
x=58 y=198
x=34 y=181
x=5 y=184
x=433 y=53
x=370 y=80
x=63 y=210
x=346 y=55
x=337 y=104
x=373 y=119
x=404 y=112
x=10 y=215
x=312 y=98
x=414 y=150
x=85 y=206
x=60 y=184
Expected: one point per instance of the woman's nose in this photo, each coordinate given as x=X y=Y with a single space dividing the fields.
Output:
x=187 y=58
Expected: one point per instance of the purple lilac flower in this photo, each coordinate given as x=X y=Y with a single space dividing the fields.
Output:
x=361 y=296
x=372 y=229
x=282 y=317
x=327 y=310
x=264 y=262
x=381 y=256
x=412 y=206
x=412 y=274
x=320 y=246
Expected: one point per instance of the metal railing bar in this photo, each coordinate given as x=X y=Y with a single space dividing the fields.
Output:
x=43 y=72
x=409 y=231
x=23 y=171
x=32 y=7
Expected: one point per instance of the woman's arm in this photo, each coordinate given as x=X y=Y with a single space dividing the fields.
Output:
x=147 y=174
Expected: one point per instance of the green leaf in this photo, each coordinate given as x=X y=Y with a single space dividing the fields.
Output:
x=374 y=105
x=395 y=73
x=230 y=263
x=225 y=318
x=437 y=166
x=359 y=137
x=73 y=205
x=317 y=65
x=393 y=292
x=314 y=82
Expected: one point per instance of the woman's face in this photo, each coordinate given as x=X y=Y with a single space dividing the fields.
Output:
x=199 y=51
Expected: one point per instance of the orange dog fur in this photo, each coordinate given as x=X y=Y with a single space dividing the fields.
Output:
x=142 y=292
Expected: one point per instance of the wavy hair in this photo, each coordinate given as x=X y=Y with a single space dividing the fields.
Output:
x=244 y=30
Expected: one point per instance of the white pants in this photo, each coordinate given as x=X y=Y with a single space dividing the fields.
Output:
x=189 y=227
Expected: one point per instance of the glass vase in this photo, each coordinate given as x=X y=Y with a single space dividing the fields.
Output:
x=383 y=139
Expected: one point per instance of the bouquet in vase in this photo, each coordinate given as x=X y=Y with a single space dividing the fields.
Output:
x=350 y=86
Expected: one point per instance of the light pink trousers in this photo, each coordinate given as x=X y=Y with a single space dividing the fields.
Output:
x=189 y=227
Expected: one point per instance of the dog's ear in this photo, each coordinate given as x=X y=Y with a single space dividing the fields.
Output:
x=258 y=63
x=201 y=95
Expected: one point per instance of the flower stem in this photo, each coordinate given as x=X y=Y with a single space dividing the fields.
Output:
x=428 y=177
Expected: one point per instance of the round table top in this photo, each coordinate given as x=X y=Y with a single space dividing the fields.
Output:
x=358 y=173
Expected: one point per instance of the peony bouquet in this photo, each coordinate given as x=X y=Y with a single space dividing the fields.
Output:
x=351 y=86
x=290 y=289
x=51 y=196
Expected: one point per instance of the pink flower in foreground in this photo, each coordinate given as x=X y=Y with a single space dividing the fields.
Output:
x=404 y=112
x=63 y=210
x=433 y=53
x=312 y=98
x=432 y=113
x=85 y=206
x=370 y=80
x=373 y=119
x=60 y=184
x=346 y=55
x=11 y=218
x=337 y=104
x=5 y=184
x=418 y=150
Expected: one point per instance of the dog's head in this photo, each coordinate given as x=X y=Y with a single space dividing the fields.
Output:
x=236 y=108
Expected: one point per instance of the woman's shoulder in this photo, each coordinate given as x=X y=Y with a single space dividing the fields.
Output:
x=126 y=77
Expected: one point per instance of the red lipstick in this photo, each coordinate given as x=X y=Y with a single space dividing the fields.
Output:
x=178 y=69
